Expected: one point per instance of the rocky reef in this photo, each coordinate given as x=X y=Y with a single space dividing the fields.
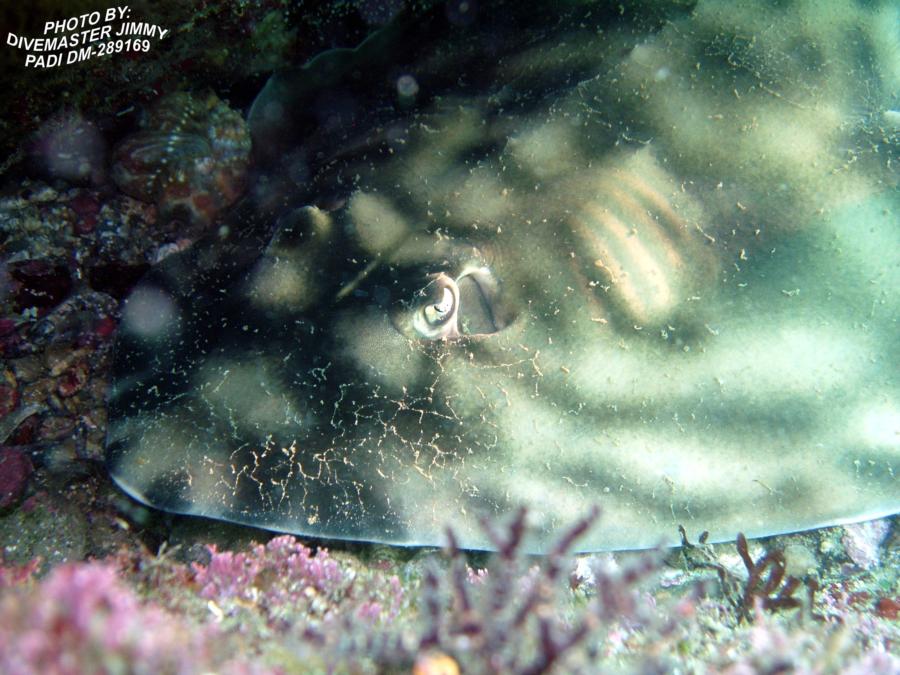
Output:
x=115 y=166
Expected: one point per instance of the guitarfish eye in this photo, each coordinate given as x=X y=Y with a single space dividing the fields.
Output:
x=437 y=318
x=438 y=312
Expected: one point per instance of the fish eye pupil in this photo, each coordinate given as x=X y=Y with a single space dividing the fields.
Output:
x=438 y=312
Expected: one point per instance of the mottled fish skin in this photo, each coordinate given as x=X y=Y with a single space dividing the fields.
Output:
x=542 y=293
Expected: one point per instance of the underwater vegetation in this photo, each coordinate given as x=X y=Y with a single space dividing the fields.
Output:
x=82 y=618
x=649 y=264
x=282 y=608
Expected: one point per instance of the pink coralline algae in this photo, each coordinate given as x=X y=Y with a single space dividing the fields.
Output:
x=283 y=577
x=17 y=575
x=232 y=575
x=82 y=619
x=190 y=158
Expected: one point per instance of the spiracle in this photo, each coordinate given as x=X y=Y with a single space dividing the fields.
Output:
x=190 y=158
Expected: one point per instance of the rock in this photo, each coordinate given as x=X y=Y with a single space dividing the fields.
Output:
x=44 y=527
x=15 y=468
x=9 y=399
x=40 y=283
x=862 y=541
